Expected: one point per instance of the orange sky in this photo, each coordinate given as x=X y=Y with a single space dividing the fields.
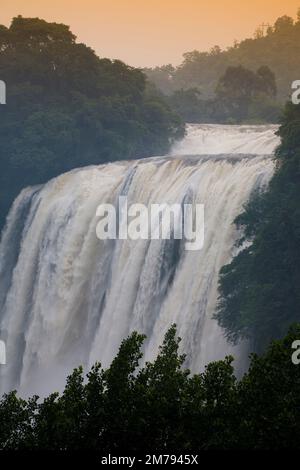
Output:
x=153 y=32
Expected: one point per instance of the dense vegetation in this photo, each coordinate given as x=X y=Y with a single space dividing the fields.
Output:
x=67 y=108
x=193 y=87
x=241 y=96
x=162 y=408
x=260 y=295
x=278 y=47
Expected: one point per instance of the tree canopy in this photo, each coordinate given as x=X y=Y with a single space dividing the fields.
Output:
x=161 y=407
x=241 y=96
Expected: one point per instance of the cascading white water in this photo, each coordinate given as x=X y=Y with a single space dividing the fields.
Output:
x=68 y=298
x=227 y=139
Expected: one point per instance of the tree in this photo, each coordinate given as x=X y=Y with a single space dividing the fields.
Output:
x=161 y=407
x=283 y=24
x=189 y=105
x=241 y=96
x=266 y=81
x=239 y=89
x=259 y=297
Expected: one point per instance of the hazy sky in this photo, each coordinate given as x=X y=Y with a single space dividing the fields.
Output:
x=153 y=32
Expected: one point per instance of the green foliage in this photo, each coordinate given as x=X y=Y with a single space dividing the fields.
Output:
x=240 y=91
x=278 y=48
x=189 y=105
x=161 y=407
x=269 y=395
x=241 y=96
x=259 y=289
x=67 y=108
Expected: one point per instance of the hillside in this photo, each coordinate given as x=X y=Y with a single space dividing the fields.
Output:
x=278 y=48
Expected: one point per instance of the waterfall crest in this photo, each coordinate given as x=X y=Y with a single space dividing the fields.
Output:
x=68 y=298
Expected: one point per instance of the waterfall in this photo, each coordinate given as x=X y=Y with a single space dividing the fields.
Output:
x=68 y=298
x=221 y=139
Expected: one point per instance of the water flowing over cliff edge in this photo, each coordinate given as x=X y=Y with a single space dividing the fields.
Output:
x=68 y=298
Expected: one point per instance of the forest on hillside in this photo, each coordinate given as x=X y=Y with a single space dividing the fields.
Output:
x=241 y=97
x=277 y=47
x=194 y=84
